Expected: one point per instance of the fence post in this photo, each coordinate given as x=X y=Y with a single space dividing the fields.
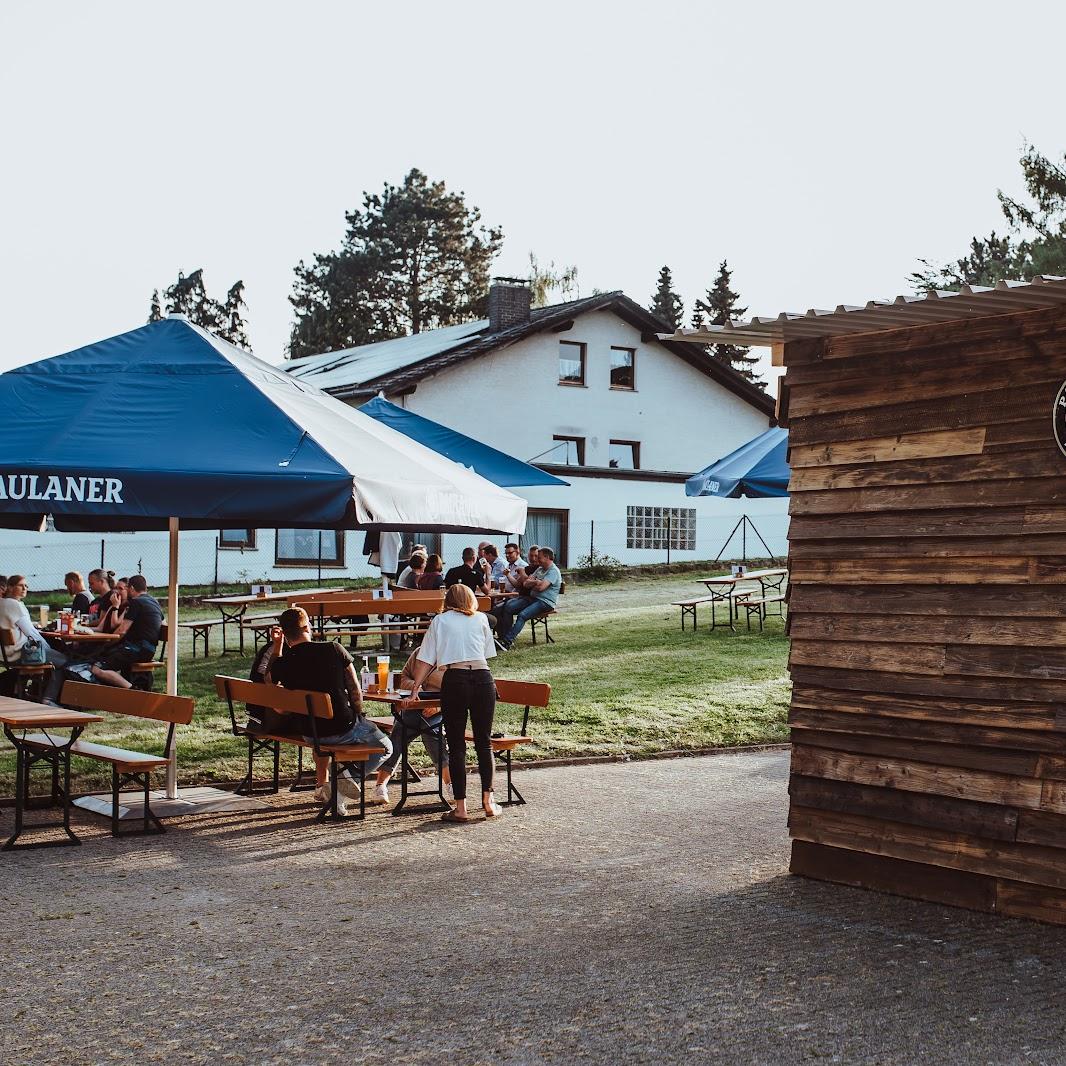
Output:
x=101 y=553
x=320 y=558
x=668 y=538
x=215 y=586
x=592 y=540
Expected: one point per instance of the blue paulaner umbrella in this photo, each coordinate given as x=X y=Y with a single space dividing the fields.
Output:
x=493 y=465
x=758 y=468
x=168 y=426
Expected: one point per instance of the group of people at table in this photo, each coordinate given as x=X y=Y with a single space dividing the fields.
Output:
x=120 y=608
x=524 y=588
x=450 y=668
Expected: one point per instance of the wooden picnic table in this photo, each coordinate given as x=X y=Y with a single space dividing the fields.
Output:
x=78 y=638
x=232 y=608
x=400 y=730
x=723 y=588
x=18 y=716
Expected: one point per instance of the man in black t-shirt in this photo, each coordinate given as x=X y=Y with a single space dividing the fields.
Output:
x=467 y=574
x=138 y=635
x=298 y=662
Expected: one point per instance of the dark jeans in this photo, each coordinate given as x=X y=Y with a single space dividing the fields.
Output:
x=414 y=725
x=470 y=692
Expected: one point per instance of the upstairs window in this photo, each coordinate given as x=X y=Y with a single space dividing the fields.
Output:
x=571 y=363
x=569 y=451
x=623 y=368
x=624 y=455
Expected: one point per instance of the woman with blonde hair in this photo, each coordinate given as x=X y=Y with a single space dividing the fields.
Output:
x=459 y=640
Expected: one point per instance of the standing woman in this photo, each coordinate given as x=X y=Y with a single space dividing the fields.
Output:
x=459 y=640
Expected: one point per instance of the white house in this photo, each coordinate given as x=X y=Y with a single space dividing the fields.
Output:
x=583 y=389
x=586 y=391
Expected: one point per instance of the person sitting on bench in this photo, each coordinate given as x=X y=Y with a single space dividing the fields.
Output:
x=540 y=594
x=324 y=666
x=138 y=635
x=416 y=724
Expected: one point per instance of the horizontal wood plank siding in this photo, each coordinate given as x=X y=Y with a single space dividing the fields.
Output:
x=927 y=612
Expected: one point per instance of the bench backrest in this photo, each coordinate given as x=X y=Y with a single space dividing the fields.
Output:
x=129 y=701
x=426 y=603
x=309 y=603
x=285 y=700
x=523 y=693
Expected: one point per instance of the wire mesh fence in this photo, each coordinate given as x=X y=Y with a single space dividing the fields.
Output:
x=218 y=560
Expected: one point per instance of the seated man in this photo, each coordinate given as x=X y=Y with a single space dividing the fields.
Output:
x=137 y=633
x=323 y=666
x=514 y=567
x=467 y=574
x=539 y=595
x=492 y=566
x=80 y=603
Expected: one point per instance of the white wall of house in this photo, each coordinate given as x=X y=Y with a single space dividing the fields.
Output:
x=682 y=419
x=512 y=399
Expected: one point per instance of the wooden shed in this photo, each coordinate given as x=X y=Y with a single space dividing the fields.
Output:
x=928 y=593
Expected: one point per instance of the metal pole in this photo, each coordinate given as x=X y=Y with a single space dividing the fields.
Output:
x=744 y=537
x=172 y=649
x=320 y=558
x=101 y=553
x=215 y=586
x=592 y=540
x=668 y=538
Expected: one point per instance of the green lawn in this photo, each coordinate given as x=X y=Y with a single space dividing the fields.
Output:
x=624 y=679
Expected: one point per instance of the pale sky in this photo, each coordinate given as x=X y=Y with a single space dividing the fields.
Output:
x=822 y=148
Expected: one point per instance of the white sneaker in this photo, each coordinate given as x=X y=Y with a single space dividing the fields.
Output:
x=348 y=787
x=449 y=792
x=381 y=794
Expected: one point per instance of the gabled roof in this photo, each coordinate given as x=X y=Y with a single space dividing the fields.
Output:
x=394 y=365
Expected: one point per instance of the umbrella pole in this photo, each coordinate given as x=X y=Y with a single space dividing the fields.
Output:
x=172 y=650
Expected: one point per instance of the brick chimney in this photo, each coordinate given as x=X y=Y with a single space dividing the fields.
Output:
x=509 y=303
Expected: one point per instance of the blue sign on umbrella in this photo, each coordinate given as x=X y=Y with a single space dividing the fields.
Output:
x=758 y=468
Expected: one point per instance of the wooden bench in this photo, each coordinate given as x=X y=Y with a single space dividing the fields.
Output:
x=146 y=671
x=314 y=706
x=29 y=680
x=688 y=608
x=757 y=606
x=542 y=620
x=127 y=767
x=201 y=630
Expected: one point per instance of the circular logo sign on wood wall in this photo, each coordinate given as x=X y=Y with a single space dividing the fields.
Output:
x=1058 y=418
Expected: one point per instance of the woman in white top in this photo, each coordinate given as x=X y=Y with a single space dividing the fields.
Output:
x=15 y=617
x=460 y=641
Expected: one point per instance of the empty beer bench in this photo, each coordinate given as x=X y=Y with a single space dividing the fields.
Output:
x=315 y=706
x=127 y=767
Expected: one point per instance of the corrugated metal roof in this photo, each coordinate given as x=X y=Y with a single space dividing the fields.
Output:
x=371 y=361
x=971 y=301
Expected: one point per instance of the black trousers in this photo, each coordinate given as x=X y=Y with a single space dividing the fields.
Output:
x=468 y=692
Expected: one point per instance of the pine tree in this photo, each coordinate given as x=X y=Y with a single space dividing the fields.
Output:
x=414 y=258
x=188 y=296
x=720 y=306
x=666 y=304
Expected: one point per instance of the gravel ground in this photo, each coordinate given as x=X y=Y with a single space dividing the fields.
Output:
x=629 y=914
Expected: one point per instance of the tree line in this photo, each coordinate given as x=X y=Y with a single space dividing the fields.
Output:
x=413 y=257
x=417 y=256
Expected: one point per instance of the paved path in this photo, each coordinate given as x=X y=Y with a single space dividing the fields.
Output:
x=630 y=914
